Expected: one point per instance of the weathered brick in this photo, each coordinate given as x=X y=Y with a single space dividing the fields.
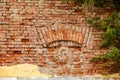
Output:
x=29 y=25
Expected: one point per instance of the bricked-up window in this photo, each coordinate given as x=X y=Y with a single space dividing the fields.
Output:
x=67 y=43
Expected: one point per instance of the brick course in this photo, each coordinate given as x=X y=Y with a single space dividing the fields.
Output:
x=50 y=34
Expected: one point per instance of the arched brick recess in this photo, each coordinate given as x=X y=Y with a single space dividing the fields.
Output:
x=55 y=35
x=71 y=33
x=63 y=46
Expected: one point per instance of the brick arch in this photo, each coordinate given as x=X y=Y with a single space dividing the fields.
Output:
x=63 y=34
x=55 y=43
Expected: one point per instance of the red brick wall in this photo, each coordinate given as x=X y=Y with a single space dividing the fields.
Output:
x=50 y=34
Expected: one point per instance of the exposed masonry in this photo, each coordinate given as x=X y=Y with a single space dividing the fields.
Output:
x=52 y=35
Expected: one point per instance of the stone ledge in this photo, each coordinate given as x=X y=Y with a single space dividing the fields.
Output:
x=61 y=78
